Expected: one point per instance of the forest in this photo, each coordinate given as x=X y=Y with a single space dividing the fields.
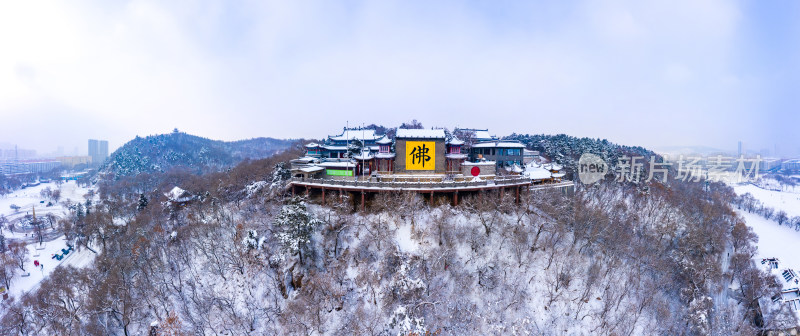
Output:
x=244 y=257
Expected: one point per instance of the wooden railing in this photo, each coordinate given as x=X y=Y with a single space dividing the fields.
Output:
x=498 y=181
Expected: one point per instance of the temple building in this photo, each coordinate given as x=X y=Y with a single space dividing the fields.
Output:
x=422 y=151
x=505 y=153
x=428 y=161
x=359 y=153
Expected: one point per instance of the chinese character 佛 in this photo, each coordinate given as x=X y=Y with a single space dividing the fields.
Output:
x=420 y=154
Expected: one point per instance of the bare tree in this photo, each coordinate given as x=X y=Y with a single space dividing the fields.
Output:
x=19 y=253
x=781 y=217
x=8 y=269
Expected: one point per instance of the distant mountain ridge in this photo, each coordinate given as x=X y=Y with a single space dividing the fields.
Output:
x=160 y=153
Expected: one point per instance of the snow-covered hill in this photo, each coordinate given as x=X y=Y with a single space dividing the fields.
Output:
x=160 y=153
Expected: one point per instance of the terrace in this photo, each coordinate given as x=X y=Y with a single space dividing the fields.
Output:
x=428 y=186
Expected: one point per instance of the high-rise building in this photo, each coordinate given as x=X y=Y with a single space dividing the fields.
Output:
x=739 y=154
x=98 y=150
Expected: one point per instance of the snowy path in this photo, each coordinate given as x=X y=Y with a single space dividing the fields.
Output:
x=21 y=285
x=774 y=240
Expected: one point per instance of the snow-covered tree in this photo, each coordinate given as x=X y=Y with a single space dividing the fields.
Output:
x=142 y=202
x=354 y=147
x=294 y=226
x=19 y=253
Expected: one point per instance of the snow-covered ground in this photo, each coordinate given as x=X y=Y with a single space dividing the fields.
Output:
x=20 y=285
x=30 y=197
x=788 y=200
x=27 y=199
x=775 y=240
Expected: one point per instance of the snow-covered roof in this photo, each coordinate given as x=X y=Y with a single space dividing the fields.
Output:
x=483 y=134
x=499 y=144
x=305 y=159
x=420 y=133
x=335 y=148
x=482 y=163
x=175 y=192
x=337 y=164
x=384 y=141
x=178 y=195
x=364 y=155
x=385 y=155
x=313 y=145
x=553 y=166
x=311 y=169
x=537 y=173
x=479 y=134
x=517 y=169
x=456 y=156
x=456 y=142
x=355 y=133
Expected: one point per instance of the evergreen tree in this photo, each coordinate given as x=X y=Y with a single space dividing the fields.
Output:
x=280 y=173
x=142 y=202
x=294 y=226
x=79 y=212
x=354 y=147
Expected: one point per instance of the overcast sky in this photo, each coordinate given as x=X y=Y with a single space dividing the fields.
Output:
x=668 y=73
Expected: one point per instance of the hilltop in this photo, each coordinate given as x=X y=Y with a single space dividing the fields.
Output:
x=160 y=153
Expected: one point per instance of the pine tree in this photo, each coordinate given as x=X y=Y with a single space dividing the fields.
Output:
x=142 y=202
x=354 y=147
x=294 y=226
x=280 y=173
x=79 y=212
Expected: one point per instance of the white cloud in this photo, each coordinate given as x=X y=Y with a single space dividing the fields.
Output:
x=300 y=69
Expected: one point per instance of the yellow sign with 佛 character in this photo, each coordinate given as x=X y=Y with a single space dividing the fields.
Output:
x=420 y=155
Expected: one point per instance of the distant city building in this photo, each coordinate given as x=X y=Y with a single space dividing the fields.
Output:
x=17 y=153
x=791 y=166
x=28 y=166
x=739 y=154
x=98 y=151
x=770 y=164
x=72 y=161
